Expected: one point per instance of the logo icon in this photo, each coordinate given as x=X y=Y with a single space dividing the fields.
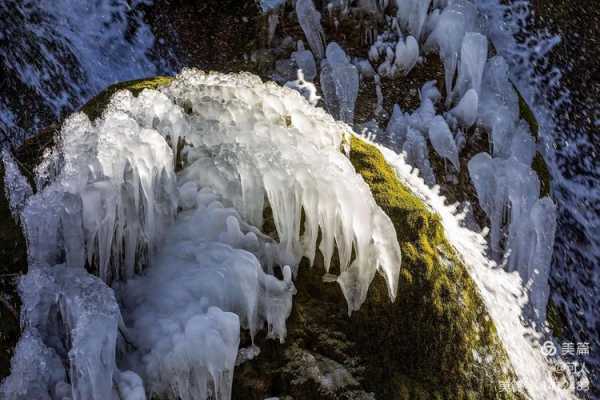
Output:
x=548 y=349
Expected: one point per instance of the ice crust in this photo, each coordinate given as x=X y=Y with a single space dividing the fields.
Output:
x=161 y=197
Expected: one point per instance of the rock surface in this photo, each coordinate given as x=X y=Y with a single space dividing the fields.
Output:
x=434 y=341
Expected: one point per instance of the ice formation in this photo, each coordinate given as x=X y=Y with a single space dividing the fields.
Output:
x=305 y=61
x=16 y=187
x=114 y=193
x=472 y=63
x=306 y=89
x=339 y=83
x=112 y=202
x=407 y=53
x=206 y=283
x=416 y=151
x=443 y=142
x=466 y=109
x=502 y=292
x=310 y=21
x=412 y=15
x=271 y=5
x=70 y=317
x=508 y=192
x=454 y=22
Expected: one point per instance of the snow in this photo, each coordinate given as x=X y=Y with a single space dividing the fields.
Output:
x=182 y=249
x=310 y=21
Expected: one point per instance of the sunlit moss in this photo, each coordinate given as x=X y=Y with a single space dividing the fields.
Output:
x=438 y=320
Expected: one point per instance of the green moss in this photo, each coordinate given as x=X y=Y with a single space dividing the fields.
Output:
x=94 y=107
x=422 y=346
x=438 y=319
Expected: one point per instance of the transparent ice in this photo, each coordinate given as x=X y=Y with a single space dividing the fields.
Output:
x=310 y=21
x=339 y=83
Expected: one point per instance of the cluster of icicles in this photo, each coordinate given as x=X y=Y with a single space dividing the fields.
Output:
x=179 y=259
x=479 y=97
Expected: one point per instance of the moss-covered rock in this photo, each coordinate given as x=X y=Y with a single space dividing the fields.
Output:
x=435 y=341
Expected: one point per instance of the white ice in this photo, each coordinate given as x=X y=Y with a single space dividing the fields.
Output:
x=306 y=89
x=112 y=201
x=185 y=313
x=70 y=315
x=447 y=39
x=466 y=109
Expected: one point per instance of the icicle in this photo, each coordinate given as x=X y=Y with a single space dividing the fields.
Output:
x=442 y=141
x=417 y=155
x=339 y=82
x=305 y=61
x=310 y=21
x=407 y=53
